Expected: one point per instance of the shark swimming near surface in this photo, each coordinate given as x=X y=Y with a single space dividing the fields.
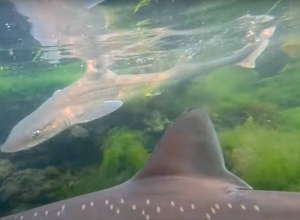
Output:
x=100 y=92
x=185 y=178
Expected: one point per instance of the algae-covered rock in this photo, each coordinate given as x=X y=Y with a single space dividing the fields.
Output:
x=28 y=187
x=282 y=90
x=261 y=112
x=292 y=47
x=6 y=169
x=264 y=157
x=224 y=88
x=156 y=122
x=124 y=154
x=290 y=118
x=33 y=83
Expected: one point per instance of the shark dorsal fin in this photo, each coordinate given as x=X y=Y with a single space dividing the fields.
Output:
x=97 y=69
x=190 y=147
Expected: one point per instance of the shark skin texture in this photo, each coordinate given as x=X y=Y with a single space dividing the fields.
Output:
x=184 y=179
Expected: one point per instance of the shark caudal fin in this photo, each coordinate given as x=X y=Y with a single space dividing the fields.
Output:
x=190 y=147
x=265 y=35
x=249 y=62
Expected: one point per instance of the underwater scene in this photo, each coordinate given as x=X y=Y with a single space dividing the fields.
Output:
x=90 y=90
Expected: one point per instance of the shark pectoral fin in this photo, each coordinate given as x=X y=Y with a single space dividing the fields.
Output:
x=96 y=112
x=78 y=131
x=249 y=62
x=191 y=148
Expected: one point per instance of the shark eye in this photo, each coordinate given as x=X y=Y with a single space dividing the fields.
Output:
x=35 y=133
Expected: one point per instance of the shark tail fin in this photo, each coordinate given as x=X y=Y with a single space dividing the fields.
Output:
x=249 y=62
x=190 y=147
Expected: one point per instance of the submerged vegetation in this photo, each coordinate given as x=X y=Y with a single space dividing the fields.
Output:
x=257 y=118
x=141 y=4
x=38 y=81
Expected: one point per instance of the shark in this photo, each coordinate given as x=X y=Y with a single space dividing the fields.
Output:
x=185 y=178
x=100 y=92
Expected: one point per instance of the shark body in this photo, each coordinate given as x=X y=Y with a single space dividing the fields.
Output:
x=100 y=92
x=184 y=179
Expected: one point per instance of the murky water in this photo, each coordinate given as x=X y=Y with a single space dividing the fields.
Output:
x=248 y=105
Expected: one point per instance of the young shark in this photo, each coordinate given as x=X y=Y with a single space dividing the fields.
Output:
x=184 y=179
x=100 y=92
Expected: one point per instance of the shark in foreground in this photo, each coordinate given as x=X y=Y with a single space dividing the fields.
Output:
x=100 y=92
x=184 y=179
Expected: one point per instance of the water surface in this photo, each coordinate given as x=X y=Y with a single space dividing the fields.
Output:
x=256 y=111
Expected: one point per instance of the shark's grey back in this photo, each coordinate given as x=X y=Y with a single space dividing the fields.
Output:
x=183 y=179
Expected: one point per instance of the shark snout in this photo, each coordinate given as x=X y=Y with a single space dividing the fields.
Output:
x=11 y=146
x=6 y=148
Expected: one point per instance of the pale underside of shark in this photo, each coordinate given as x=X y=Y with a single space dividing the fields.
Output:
x=184 y=179
x=100 y=92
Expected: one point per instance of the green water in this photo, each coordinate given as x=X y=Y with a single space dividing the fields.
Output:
x=256 y=111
